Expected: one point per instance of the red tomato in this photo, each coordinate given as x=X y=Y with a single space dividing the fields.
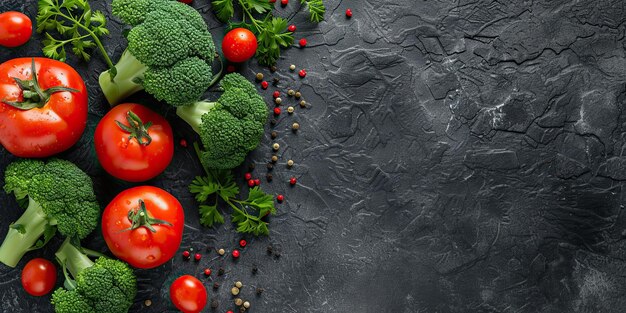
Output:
x=142 y=157
x=188 y=294
x=39 y=276
x=15 y=29
x=143 y=226
x=239 y=45
x=49 y=126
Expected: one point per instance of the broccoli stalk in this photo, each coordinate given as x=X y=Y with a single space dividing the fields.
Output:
x=126 y=81
x=23 y=234
x=192 y=114
x=72 y=259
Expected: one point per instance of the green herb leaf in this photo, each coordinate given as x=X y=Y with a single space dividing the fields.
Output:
x=203 y=187
x=209 y=215
x=316 y=9
x=224 y=9
x=260 y=6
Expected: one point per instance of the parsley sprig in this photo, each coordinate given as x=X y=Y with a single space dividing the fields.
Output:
x=76 y=24
x=316 y=9
x=247 y=214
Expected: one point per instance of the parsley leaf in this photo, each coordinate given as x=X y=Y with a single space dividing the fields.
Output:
x=75 y=24
x=316 y=9
x=224 y=9
x=209 y=215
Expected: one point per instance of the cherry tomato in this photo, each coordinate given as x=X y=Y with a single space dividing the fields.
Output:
x=43 y=127
x=143 y=226
x=131 y=151
x=239 y=45
x=39 y=276
x=188 y=294
x=15 y=29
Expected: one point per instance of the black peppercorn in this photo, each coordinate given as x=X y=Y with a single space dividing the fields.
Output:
x=251 y=167
x=270 y=249
x=214 y=304
x=220 y=272
x=216 y=285
x=273 y=122
x=255 y=270
x=270 y=166
x=259 y=291
x=275 y=81
x=269 y=177
x=274 y=134
x=273 y=68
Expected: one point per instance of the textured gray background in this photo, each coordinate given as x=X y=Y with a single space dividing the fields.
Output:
x=458 y=156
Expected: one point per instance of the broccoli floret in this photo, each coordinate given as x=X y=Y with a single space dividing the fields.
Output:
x=60 y=196
x=230 y=127
x=169 y=54
x=104 y=286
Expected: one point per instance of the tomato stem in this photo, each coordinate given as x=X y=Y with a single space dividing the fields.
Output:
x=136 y=128
x=141 y=218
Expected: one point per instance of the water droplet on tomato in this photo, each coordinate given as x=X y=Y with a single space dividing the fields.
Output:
x=150 y=257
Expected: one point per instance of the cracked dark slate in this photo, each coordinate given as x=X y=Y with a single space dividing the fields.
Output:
x=457 y=156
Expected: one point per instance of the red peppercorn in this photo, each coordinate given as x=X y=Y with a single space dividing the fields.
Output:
x=276 y=111
x=235 y=253
x=229 y=310
x=257 y=182
x=248 y=176
x=291 y=28
x=186 y=254
x=264 y=85
x=276 y=94
x=230 y=68
x=293 y=181
x=349 y=13
x=185 y=1
x=284 y=2
x=243 y=243
x=303 y=42
x=183 y=143
x=207 y=271
x=280 y=198
x=250 y=183
x=198 y=256
x=302 y=73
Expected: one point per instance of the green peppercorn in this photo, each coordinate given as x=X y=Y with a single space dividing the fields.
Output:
x=259 y=76
x=302 y=104
x=291 y=92
x=298 y=95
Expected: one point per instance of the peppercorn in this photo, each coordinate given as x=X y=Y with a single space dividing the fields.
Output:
x=275 y=81
x=302 y=73
x=269 y=177
x=234 y=291
x=183 y=143
x=303 y=42
x=214 y=304
x=257 y=182
x=243 y=243
x=270 y=166
x=277 y=111
x=284 y=2
x=348 y=13
x=221 y=251
x=216 y=285
x=246 y=305
x=251 y=183
x=269 y=249
x=235 y=254
x=198 y=256
x=148 y=302
x=273 y=68
x=186 y=254
x=292 y=67
x=238 y=284
x=207 y=271
x=248 y=176
x=273 y=134
x=291 y=92
x=255 y=270
x=264 y=85
x=276 y=94
x=298 y=95
x=278 y=101
x=292 y=181
x=251 y=167
x=274 y=158
x=259 y=290
x=302 y=103
x=238 y=301
x=279 y=198
x=290 y=110
x=220 y=272
x=273 y=122
x=291 y=28
x=259 y=76
x=275 y=146
x=290 y=163
x=295 y=126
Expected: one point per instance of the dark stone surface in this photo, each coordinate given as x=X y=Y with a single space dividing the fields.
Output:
x=457 y=156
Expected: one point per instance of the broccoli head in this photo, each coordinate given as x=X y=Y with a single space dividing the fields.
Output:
x=230 y=127
x=169 y=54
x=60 y=196
x=103 y=286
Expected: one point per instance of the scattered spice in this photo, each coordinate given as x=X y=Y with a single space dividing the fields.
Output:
x=291 y=28
x=183 y=143
x=246 y=305
x=259 y=76
x=238 y=301
x=255 y=270
x=295 y=126
x=207 y=271
x=279 y=198
x=273 y=122
x=303 y=42
x=251 y=167
x=216 y=285
x=257 y=182
x=269 y=177
x=238 y=284
x=186 y=254
x=221 y=251
x=291 y=92
x=235 y=253
x=290 y=163
x=243 y=243
x=302 y=73
x=302 y=103
x=276 y=94
x=275 y=81
x=292 y=181
x=264 y=85
x=234 y=291
x=348 y=13
x=274 y=158
x=220 y=272
x=275 y=146
x=278 y=101
x=259 y=290
x=148 y=302
x=270 y=249
x=274 y=134
x=251 y=183
x=284 y=2
x=198 y=256
x=270 y=166
x=290 y=110
x=273 y=68
x=298 y=95
x=276 y=111
x=214 y=304
x=292 y=67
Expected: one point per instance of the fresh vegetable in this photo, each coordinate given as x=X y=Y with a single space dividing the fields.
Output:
x=239 y=45
x=143 y=226
x=60 y=196
x=15 y=29
x=188 y=294
x=43 y=107
x=230 y=127
x=134 y=143
x=103 y=286
x=272 y=32
x=220 y=184
x=169 y=53
x=39 y=276
x=76 y=25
